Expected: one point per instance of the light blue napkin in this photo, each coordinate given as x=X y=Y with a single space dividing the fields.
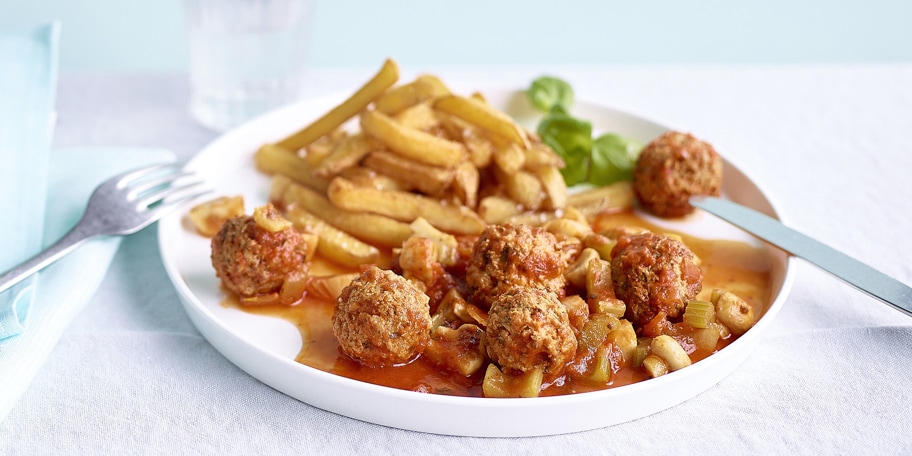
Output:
x=67 y=285
x=42 y=195
x=28 y=81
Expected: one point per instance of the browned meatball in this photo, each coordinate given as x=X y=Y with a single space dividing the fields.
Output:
x=653 y=273
x=510 y=256
x=529 y=328
x=671 y=169
x=381 y=319
x=252 y=260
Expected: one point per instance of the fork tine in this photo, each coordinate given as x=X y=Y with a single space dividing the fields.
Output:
x=165 y=193
x=175 y=202
x=146 y=185
x=127 y=177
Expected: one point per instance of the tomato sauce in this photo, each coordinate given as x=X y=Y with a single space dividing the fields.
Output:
x=735 y=266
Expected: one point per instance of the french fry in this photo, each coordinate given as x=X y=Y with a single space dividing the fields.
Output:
x=414 y=144
x=347 y=154
x=481 y=149
x=405 y=96
x=479 y=146
x=385 y=78
x=554 y=185
x=530 y=218
x=440 y=89
x=611 y=198
x=332 y=242
x=524 y=188
x=483 y=115
x=420 y=117
x=432 y=180
x=272 y=159
x=465 y=184
x=447 y=245
x=372 y=228
x=316 y=151
x=496 y=209
x=366 y=177
x=404 y=206
x=509 y=157
x=540 y=155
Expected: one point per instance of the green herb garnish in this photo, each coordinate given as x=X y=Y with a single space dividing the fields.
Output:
x=547 y=92
x=605 y=160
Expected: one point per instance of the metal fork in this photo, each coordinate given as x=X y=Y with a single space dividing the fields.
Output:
x=122 y=205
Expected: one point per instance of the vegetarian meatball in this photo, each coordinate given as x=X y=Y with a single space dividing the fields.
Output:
x=671 y=169
x=653 y=273
x=381 y=319
x=252 y=260
x=510 y=256
x=529 y=328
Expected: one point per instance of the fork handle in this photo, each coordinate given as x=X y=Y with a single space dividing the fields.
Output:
x=74 y=238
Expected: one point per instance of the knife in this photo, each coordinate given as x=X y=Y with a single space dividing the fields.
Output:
x=867 y=279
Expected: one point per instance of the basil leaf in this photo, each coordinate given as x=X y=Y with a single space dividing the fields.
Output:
x=547 y=92
x=613 y=159
x=571 y=138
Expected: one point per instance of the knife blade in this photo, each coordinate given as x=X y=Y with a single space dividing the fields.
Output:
x=863 y=277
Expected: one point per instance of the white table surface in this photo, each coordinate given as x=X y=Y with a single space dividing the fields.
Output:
x=831 y=145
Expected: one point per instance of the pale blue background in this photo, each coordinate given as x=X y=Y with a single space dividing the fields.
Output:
x=132 y=35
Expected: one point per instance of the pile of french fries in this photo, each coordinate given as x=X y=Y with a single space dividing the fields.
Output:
x=421 y=152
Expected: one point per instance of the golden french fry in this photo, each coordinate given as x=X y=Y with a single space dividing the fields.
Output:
x=366 y=177
x=447 y=245
x=405 y=96
x=420 y=117
x=272 y=159
x=480 y=150
x=372 y=228
x=483 y=115
x=385 y=78
x=540 y=155
x=347 y=154
x=530 y=218
x=404 y=206
x=479 y=146
x=432 y=180
x=465 y=184
x=440 y=89
x=316 y=151
x=509 y=157
x=610 y=198
x=208 y=217
x=414 y=144
x=554 y=185
x=496 y=209
x=524 y=188
x=333 y=243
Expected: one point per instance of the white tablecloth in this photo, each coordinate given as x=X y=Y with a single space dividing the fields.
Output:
x=831 y=145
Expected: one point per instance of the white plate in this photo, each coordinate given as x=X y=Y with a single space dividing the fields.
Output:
x=265 y=347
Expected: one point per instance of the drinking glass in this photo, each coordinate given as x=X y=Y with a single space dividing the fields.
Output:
x=246 y=57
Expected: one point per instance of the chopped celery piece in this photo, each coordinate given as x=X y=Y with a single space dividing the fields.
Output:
x=269 y=219
x=601 y=369
x=699 y=314
x=639 y=353
x=499 y=384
